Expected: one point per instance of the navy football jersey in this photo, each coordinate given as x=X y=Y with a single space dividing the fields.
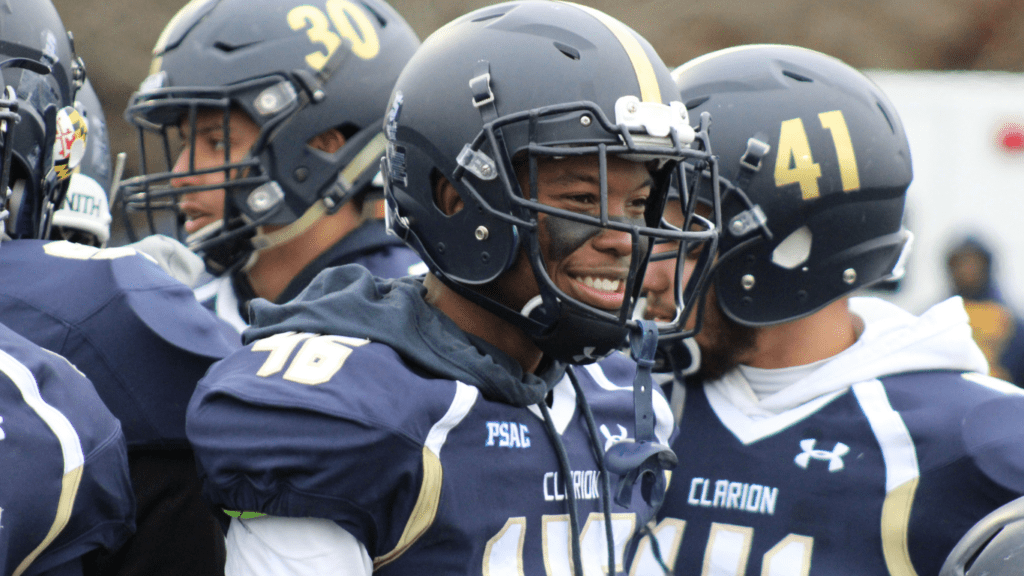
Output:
x=880 y=478
x=137 y=333
x=432 y=477
x=64 y=486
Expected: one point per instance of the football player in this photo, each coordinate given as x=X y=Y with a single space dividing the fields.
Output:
x=271 y=115
x=458 y=423
x=822 y=432
x=139 y=335
x=65 y=492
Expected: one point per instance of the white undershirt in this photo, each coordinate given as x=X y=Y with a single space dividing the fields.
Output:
x=277 y=546
x=765 y=382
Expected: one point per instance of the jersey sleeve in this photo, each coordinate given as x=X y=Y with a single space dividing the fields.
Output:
x=76 y=478
x=969 y=447
x=298 y=425
x=994 y=437
x=103 y=516
x=139 y=335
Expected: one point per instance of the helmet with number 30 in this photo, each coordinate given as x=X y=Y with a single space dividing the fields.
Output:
x=818 y=167
x=296 y=68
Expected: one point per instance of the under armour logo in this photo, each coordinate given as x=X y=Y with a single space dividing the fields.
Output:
x=834 y=458
x=614 y=438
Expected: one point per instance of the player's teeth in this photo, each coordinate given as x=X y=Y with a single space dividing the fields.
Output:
x=602 y=284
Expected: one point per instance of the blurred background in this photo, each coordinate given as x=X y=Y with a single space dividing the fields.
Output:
x=953 y=68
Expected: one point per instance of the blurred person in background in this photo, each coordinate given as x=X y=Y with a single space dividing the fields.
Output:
x=996 y=326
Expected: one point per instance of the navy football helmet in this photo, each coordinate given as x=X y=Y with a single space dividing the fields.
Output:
x=97 y=163
x=992 y=547
x=41 y=77
x=482 y=101
x=296 y=68
x=84 y=215
x=817 y=165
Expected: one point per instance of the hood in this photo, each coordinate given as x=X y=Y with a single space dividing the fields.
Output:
x=349 y=301
x=894 y=341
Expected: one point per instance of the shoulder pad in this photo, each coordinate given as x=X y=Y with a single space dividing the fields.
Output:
x=994 y=437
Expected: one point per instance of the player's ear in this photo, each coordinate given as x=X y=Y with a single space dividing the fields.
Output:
x=329 y=141
x=446 y=198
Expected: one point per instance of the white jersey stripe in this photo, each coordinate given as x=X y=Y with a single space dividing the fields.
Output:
x=70 y=443
x=465 y=397
x=892 y=434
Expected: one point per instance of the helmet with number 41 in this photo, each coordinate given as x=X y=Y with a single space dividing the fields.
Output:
x=816 y=182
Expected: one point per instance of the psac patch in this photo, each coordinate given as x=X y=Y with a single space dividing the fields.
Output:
x=508 y=435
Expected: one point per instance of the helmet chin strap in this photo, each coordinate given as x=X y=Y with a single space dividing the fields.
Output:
x=644 y=459
x=262 y=241
x=364 y=160
x=204 y=233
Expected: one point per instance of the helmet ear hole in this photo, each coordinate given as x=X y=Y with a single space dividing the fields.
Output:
x=446 y=197
x=795 y=249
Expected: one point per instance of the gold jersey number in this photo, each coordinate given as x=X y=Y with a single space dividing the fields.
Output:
x=794 y=163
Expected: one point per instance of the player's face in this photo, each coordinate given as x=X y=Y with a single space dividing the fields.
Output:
x=723 y=343
x=207 y=206
x=659 y=282
x=588 y=263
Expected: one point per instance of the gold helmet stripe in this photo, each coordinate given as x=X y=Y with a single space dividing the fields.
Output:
x=649 y=89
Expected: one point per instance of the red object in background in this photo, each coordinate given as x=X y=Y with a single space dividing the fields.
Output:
x=1010 y=137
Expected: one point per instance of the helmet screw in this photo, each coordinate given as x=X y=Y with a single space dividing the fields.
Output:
x=737 y=227
x=329 y=202
x=440 y=247
x=485 y=170
x=481 y=233
x=631 y=108
x=260 y=200
x=268 y=101
x=318 y=95
x=747 y=281
x=585 y=120
x=301 y=173
x=849 y=275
